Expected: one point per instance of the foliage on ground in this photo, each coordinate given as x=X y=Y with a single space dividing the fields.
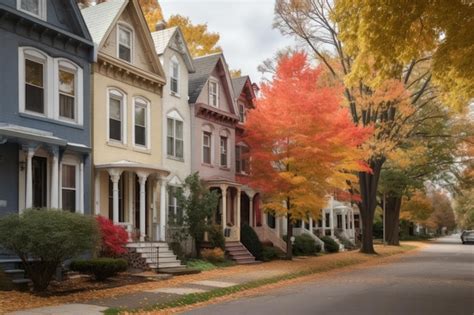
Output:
x=100 y=268
x=44 y=238
x=213 y=255
x=250 y=240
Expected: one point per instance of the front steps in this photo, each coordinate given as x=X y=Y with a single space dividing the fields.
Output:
x=239 y=253
x=14 y=274
x=156 y=255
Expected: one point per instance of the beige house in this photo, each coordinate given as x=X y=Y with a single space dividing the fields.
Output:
x=127 y=127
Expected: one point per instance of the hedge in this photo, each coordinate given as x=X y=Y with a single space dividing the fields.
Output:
x=330 y=245
x=250 y=240
x=101 y=268
x=305 y=245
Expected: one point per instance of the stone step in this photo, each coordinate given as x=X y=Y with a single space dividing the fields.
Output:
x=161 y=255
x=242 y=256
x=148 y=250
x=21 y=284
x=162 y=265
x=238 y=251
x=146 y=244
x=161 y=260
x=15 y=273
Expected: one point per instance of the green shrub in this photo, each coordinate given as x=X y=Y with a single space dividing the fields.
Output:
x=45 y=238
x=269 y=253
x=345 y=241
x=330 y=245
x=250 y=240
x=101 y=268
x=305 y=245
x=216 y=236
x=214 y=255
x=5 y=282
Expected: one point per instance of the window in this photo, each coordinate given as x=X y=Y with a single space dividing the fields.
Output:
x=67 y=94
x=175 y=214
x=213 y=93
x=328 y=219
x=241 y=159
x=206 y=147
x=241 y=113
x=125 y=44
x=223 y=151
x=175 y=143
x=68 y=187
x=115 y=116
x=174 y=76
x=140 y=123
x=33 y=7
x=34 y=86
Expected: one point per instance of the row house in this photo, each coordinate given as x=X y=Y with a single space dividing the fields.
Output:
x=45 y=108
x=128 y=82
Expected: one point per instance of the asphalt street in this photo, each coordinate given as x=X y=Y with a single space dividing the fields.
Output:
x=439 y=279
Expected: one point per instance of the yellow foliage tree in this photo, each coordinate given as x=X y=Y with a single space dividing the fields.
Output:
x=200 y=41
x=152 y=12
x=386 y=35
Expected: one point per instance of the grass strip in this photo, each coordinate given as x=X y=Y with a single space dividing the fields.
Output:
x=193 y=298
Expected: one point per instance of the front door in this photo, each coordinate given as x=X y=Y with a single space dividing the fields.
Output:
x=40 y=181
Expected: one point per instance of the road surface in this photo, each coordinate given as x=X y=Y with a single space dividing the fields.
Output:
x=438 y=279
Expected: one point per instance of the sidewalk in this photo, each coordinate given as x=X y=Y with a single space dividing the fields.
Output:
x=149 y=294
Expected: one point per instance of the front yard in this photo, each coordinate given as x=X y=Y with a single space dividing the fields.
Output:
x=253 y=277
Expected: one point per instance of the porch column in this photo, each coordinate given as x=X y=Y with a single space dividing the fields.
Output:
x=237 y=212
x=251 y=214
x=224 y=206
x=97 y=192
x=131 y=201
x=115 y=177
x=331 y=217
x=81 y=188
x=311 y=225
x=30 y=152
x=142 y=181
x=323 y=211
x=55 y=178
x=278 y=225
x=344 y=221
x=353 y=223
x=162 y=209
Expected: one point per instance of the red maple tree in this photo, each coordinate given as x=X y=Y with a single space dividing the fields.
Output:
x=113 y=238
x=303 y=142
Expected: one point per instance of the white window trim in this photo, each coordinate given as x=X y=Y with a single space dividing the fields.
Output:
x=72 y=161
x=42 y=9
x=128 y=28
x=64 y=64
x=211 y=147
x=51 y=68
x=174 y=61
x=144 y=103
x=213 y=80
x=117 y=93
x=175 y=119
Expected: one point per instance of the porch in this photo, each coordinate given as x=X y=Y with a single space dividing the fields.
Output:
x=133 y=195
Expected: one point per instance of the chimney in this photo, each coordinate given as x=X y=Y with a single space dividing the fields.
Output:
x=160 y=25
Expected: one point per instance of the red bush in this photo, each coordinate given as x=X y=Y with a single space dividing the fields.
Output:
x=113 y=238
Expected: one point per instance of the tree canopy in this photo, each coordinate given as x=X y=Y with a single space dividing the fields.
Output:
x=387 y=35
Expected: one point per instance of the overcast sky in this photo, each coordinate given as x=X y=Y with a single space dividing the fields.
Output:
x=245 y=28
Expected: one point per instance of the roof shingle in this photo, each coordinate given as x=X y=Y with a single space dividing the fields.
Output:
x=204 y=67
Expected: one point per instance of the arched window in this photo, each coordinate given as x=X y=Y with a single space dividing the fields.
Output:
x=174 y=135
x=116 y=115
x=141 y=122
x=69 y=94
x=34 y=81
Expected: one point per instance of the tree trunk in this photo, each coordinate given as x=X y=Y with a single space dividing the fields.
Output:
x=289 y=235
x=368 y=183
x=392 y=220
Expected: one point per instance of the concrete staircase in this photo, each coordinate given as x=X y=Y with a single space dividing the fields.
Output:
x=239 y=253
x=156 y=255
x=12 y=269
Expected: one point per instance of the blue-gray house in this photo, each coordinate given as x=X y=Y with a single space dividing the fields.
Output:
x=45 y=106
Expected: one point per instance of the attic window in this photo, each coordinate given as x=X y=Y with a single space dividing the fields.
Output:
x=125 y=44
x=213 y=93
x=36 y=8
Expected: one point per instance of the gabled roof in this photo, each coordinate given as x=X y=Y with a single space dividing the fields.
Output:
x=162 y=40
x=238 y=84
x=80 y=20
x=204 y=67
x=102 y=18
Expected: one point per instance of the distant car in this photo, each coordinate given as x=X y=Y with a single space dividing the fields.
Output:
x=467 y=236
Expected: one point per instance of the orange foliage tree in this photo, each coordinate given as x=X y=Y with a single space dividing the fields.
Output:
x=303 y=142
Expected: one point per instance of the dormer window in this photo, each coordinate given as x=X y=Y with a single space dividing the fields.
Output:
x=174 y=77
x=125 y=44
x=213 y=93
x=34 y=7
